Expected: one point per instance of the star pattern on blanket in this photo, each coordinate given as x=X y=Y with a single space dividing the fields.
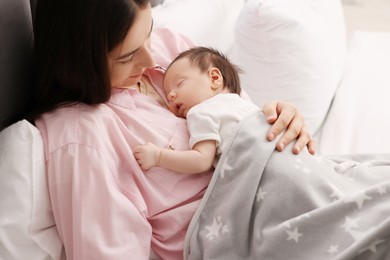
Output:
x=350 y=223
x=358 y=199
x=359 y=235
x=336 y=194
x=333 y=249
x=216 y=228
x=372 y=246
x=334 y=217
x=294 y=235
x=226 y=167
x=260 y=195
x=299 y=166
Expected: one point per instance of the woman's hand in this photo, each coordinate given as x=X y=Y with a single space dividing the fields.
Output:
x=283 y=115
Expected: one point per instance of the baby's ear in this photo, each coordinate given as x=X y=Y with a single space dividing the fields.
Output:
x=216 y=78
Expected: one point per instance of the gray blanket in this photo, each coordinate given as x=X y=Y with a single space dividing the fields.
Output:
x=263 y=204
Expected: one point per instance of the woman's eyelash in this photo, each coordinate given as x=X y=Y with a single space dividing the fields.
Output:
x=127 y=61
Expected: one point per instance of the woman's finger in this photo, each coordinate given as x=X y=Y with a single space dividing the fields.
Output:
x=304 y=140
x=287 y=114
x=293 y=132
x=270 y=113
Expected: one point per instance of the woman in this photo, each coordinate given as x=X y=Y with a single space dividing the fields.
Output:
x=98 y=94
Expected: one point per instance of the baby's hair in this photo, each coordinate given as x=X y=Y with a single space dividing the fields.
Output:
x=204 y=58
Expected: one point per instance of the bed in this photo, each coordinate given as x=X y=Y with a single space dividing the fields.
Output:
x=295 y=50
x=299 y=51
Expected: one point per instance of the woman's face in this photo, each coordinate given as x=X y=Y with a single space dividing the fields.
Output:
x=128 y=61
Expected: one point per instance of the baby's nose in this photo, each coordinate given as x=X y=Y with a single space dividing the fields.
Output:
x=171 y=96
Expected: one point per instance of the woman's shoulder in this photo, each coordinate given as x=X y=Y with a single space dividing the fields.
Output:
x=78 y=123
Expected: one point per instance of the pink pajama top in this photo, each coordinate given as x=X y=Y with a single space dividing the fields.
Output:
x=104 y=205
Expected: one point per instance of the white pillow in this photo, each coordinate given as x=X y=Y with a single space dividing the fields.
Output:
x=27 y=229
x=206 y=22
x=359 y=121
x=292 y=50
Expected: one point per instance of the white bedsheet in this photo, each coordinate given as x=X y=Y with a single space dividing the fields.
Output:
x=359 y=118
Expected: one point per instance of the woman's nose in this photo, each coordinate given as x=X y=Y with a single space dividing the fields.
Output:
x=147 y=59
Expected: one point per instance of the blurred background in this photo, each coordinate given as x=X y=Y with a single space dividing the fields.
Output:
x=367 y=15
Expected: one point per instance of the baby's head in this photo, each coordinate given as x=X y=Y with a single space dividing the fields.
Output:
x=196 y=75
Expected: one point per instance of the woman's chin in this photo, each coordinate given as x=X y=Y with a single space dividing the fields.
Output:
x=127 y=83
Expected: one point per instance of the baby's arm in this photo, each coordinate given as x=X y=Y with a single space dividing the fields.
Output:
x=197 y=160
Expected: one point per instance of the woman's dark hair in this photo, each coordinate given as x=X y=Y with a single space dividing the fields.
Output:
x=72 y=40
x=204 y=57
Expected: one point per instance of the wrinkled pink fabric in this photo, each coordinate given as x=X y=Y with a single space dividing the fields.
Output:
x=104 y=205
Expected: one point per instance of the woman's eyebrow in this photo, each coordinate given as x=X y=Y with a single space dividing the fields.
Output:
x=132 y=52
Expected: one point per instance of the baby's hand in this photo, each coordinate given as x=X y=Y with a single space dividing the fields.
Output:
x=147 y=155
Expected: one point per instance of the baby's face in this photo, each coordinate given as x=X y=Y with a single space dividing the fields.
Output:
x=186 y=86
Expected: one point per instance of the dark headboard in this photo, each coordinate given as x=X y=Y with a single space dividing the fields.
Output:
x=16 y=51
